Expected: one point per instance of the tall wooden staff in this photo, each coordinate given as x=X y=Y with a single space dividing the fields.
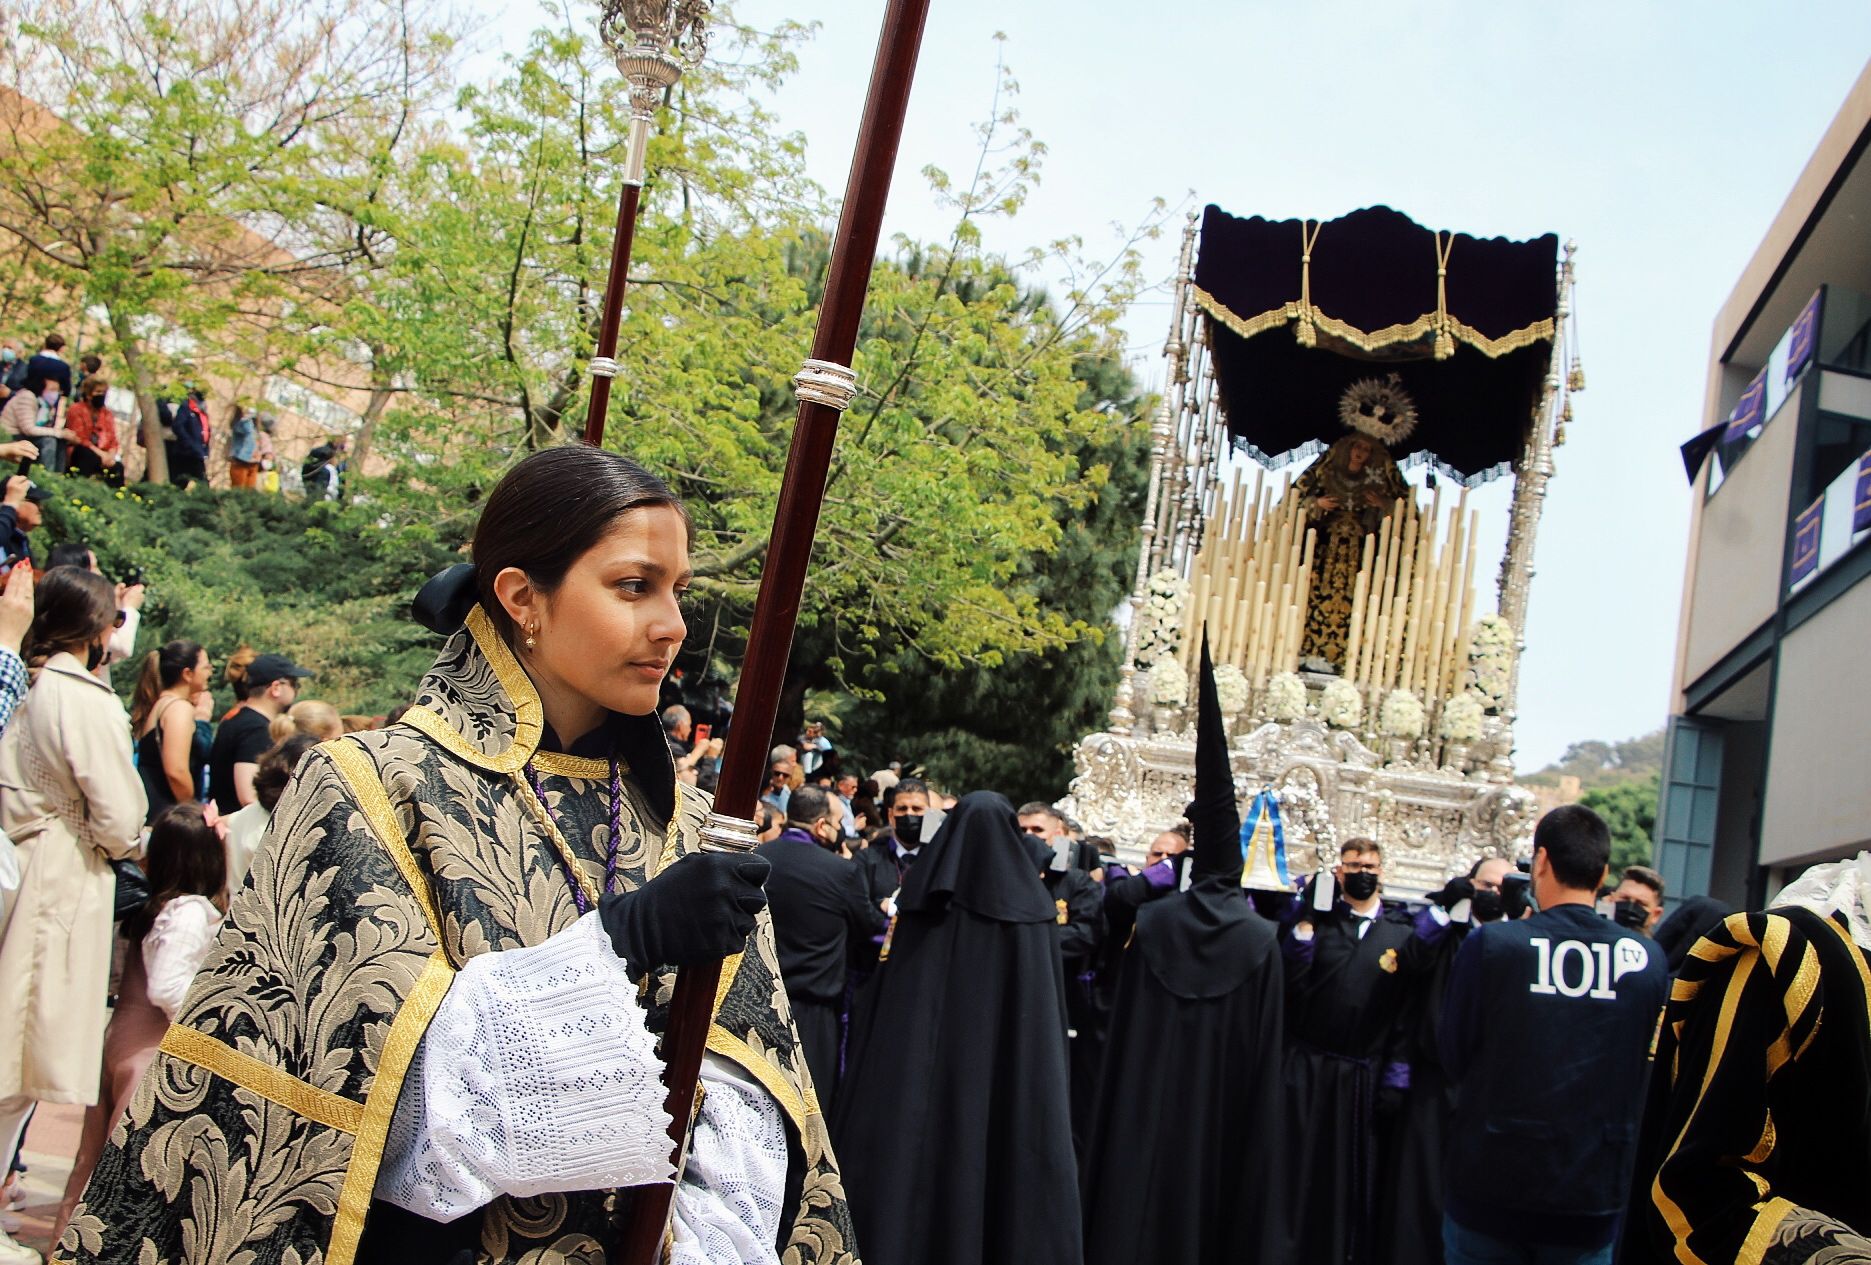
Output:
x=825 y=386
x=654 y=41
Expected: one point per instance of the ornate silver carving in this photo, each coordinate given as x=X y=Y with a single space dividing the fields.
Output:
x=824 y=382
x=603 y=367
x=723 y=833
x=1432 y=822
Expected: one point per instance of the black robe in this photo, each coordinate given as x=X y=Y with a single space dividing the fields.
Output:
x=1344 y=1001
x=1410 y=1192
x=1185 y=1156
x=953 y=1115
x=1184 y=1159
x=1080 y=902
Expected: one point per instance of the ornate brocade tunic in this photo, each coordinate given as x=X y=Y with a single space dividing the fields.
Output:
x=395 y=857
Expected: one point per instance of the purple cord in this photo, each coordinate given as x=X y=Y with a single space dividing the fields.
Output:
x=579 y=899
x=617 y=824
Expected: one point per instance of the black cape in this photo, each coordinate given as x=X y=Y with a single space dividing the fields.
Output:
x=954 y=1114
x=1184 y=1160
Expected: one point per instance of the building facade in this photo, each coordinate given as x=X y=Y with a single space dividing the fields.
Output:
x=1767 y=768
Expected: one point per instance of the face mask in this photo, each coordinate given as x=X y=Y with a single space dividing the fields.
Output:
x=1360 y=886
x=1487 y=907
x=1630 y=914
x=8 y=356
x=909 y=831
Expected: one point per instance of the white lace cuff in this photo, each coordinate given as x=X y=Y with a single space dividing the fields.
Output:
x=536 y=1075
x=728 y=1204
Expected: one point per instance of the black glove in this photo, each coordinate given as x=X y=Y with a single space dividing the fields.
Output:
x=698 y=910
x=1455 y=891
x=1514 y=897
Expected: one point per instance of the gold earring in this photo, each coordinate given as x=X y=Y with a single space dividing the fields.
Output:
x=531 y=631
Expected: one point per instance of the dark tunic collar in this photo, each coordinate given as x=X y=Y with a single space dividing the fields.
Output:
x=478 y=703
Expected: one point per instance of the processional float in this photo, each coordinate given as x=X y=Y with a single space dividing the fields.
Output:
x=653 y=39
x=1370 y=691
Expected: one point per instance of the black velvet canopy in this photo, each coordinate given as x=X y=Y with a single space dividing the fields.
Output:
x=1289 y=334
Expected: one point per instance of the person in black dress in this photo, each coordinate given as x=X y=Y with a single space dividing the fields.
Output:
x=170 y=748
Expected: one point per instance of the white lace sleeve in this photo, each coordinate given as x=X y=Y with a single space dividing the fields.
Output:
x=174 y=947
x=536 y=1075
x=727 y=1207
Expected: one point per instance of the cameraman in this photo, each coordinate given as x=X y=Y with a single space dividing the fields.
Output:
x=1546 y=1029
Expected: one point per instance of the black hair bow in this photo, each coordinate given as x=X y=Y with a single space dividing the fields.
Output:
x=442 y=605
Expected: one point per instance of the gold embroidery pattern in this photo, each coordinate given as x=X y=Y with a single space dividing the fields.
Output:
x=374 y=802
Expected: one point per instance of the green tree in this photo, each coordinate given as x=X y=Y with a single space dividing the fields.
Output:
x=960 y=462
x=155 y=150
x=328 y=585
x=1630 y=810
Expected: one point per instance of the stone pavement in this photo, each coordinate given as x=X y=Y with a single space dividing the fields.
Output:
x=51 y=1142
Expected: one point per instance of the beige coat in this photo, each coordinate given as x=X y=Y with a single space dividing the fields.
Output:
x=71 y=800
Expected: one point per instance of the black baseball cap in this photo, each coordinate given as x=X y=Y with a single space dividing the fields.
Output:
x=268 y=668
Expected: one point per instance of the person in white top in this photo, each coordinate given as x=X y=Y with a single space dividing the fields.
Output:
x=169 y=936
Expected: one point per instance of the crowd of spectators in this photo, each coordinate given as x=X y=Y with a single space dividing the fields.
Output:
x=66 y=417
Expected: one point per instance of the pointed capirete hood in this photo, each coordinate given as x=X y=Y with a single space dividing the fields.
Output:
x=1214 y=815
x=1205 y=942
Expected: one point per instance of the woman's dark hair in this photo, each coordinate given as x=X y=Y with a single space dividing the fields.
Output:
x=550 y=509
x=70 y=553
x=276 y=768
x=184 y=857
x=161 y=669
x=70 y=607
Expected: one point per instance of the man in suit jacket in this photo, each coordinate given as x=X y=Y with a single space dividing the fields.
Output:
x=819 y=903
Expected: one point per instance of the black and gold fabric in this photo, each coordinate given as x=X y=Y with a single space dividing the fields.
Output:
x=1762 y=1117
x=394 y=857
x=1298 y=310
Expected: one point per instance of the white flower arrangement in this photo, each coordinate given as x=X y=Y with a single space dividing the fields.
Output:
x=1169 y=684
x=1492 y=645
x=1461 y=718
x=1160 y=633
x=1231 y=689
x=1491 y=632
x=1341 y=706
x=1286 y=696
x=1401 y=716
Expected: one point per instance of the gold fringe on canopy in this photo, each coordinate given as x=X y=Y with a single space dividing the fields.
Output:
x=1309 y=322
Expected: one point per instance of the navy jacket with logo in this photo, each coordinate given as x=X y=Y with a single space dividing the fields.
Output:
x=1547 y=1029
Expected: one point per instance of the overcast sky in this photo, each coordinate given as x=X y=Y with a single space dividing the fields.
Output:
x=1662 y=137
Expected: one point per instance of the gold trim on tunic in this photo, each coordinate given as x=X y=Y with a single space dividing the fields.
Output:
x=373 y=801
x=280 y=1088
x=399 y=1050
x=742 y=1055
x=529 y=714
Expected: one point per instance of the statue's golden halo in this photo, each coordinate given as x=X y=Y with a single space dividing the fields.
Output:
x=1378 y=407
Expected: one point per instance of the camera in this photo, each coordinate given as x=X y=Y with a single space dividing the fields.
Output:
x=131 y=576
